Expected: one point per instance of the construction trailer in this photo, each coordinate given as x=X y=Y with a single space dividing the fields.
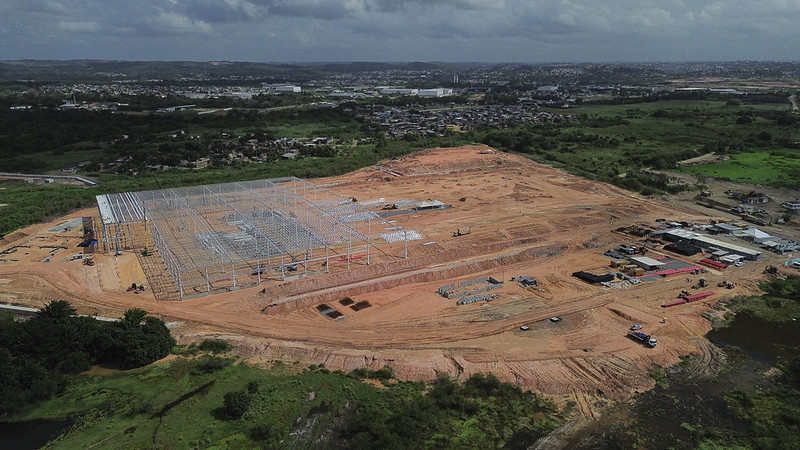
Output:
x=216 y=238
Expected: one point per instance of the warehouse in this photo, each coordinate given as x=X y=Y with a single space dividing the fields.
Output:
x=748 y=253
x=706 y=242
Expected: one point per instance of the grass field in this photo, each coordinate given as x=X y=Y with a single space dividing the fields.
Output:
x=776 y=168
x=179 y=404
x=607 y=140
x=182 y=404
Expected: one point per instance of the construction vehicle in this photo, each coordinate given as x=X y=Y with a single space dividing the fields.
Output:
x=683 y=294
x=771 y=270
x=136 y=288
x=88 y=260
x=389 y=206
x=458 y=232
x=645 y=339
x=702 y=282
x=725 y=284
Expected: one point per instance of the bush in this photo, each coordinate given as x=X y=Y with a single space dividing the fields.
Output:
x=211 y=365
x=214 y=346
x=236 y=404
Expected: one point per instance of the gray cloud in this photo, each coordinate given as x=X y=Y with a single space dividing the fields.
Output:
x=492 y=30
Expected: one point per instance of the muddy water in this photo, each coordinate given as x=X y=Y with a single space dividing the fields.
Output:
x=768 y=342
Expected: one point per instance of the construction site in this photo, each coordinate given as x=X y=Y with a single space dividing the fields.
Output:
x=220 y=238
x=451 y=260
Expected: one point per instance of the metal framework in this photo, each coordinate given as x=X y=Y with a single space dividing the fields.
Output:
x=225 y=236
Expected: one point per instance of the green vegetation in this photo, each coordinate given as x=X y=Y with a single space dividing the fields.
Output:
x=774 y=168
x=613 y=142
x=182 y=403
x=28 y=204
x=210 y=400
x=780 y=302
x=214 y=346
x=38 y=356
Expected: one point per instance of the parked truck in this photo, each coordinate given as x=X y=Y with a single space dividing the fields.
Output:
x=645 y=339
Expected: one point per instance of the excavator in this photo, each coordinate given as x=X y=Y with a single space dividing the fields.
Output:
x=771 y=270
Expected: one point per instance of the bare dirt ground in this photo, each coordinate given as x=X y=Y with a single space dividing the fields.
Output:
x=524 y=218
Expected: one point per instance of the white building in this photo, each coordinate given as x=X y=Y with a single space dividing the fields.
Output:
x=287 y=89
x=432 y=93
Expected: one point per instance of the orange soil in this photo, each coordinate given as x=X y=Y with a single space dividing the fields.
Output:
x=525 y=219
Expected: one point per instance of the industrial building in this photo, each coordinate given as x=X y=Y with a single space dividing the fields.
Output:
x=216 y=238
x=432 y=93
x=707 y=243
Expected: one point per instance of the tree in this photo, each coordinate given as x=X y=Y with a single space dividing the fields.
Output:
x=236 y=404
x=56 y=310
x=133 y=317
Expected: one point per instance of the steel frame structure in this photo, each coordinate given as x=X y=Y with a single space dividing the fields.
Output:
x=224 y=236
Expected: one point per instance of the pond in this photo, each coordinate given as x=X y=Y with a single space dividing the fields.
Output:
x=32 y=434
x=769 y=342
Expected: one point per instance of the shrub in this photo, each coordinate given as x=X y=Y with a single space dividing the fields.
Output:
x=211 y=364
x=214 y=346
x=236 y=404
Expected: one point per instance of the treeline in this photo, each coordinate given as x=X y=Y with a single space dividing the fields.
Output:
x=43 y=139
x=38 y=356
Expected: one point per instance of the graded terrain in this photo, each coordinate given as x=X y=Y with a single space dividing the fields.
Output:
x=507 y=217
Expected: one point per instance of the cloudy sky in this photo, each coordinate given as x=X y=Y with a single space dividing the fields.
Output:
x=401 y=30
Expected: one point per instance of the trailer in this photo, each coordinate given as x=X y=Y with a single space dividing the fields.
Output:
x=714 y=264
x=645 y=339
x=698 y=296
x=685 y=297
x=673 y=303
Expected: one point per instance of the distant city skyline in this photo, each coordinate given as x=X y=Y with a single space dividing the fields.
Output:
x=492 y=31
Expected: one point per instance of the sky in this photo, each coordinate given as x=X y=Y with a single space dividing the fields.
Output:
x=524 y=31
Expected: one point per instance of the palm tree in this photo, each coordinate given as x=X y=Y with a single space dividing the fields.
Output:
x=134 y=317
x=56 y=310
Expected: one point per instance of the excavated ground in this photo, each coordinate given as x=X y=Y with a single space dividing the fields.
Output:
x=523 y=218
